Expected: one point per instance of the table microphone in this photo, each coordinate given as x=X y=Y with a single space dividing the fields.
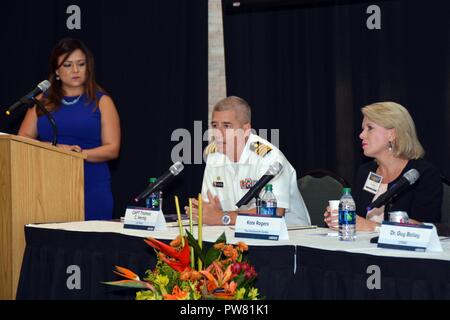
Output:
x=273 y=170
x=174 y=170
x=409 y=178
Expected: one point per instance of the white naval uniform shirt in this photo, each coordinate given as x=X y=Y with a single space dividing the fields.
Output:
x=230 y=180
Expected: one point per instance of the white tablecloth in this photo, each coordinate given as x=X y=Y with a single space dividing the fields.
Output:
x=314 y=238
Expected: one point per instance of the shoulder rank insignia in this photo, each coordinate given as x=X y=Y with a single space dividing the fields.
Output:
x=260 y=149
x=211 y=148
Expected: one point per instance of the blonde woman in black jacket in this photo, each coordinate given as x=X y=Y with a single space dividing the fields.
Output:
x=389 y=136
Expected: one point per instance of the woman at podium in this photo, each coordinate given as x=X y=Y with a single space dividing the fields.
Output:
x=86 y=118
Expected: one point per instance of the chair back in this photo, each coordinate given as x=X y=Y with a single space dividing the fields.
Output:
x=317 y=187
x=445 y=218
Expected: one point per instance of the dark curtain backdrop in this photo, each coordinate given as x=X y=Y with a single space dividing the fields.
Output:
x=151 y=56
x=304 y=70
x=309 y=70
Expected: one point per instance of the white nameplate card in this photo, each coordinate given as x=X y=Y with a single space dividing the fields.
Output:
x=261 y=227
x=412 y=237
x=144 y=219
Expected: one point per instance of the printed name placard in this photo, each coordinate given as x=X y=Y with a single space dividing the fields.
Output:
x=261 y=227
x=412 y=237
x=144 y=219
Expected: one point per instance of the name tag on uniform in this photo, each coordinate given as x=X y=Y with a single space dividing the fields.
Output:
x=218 y=184
x=412 y=237
x=373 y=183
x=144 y=219
x=261 y=227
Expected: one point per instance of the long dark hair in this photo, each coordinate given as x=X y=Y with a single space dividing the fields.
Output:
x=64 y=48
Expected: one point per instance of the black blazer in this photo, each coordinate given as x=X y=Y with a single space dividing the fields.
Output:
x=422 y=200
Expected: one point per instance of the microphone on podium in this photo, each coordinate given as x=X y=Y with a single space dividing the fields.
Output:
x=28 y=99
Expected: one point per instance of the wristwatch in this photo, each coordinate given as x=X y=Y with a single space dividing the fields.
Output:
x=226 y=219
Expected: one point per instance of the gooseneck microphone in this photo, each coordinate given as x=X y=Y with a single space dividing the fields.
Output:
x=273 y=170
x=162 y=181
x=28 y=99
x=409 y=178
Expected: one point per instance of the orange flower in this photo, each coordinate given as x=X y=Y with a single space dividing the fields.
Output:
x=227 y=249
x=229 y=289
x=133 y=282
x=176 y=243
x=230 y=252
x=216 y=277
x=195 y=275
x=161 y=255
x=185 y=275
x=178 y=260
x=177 y=294
x=124 y=272
x=242 y=246
x=219 y=246
x=232 y=287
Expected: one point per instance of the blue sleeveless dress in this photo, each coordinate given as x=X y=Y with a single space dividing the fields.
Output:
x=79 y=125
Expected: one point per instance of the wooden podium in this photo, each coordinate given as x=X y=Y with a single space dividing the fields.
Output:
x=38 y=183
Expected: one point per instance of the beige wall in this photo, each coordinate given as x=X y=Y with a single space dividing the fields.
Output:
x=216 y=55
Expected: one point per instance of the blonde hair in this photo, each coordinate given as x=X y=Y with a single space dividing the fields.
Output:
x=239 y=105
x=391 y=115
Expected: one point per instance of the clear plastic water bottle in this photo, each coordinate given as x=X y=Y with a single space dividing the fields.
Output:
x=347 y=216
x=268 y=202
x=153 y=201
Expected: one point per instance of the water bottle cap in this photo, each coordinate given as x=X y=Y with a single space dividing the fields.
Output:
x=152 y=180
x=268 y=187
x=347 y=190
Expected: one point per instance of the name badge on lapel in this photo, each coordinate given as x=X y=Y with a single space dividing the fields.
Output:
x=373 y=183
x=218 y=183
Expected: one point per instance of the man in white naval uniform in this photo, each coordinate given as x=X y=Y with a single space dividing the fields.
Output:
x=236 y=160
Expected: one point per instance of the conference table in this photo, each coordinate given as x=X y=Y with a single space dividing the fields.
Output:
x=312 y=264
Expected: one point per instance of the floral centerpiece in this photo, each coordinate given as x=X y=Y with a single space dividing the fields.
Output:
x=186 y=271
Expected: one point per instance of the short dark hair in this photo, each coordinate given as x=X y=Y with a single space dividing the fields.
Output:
x=239 y=105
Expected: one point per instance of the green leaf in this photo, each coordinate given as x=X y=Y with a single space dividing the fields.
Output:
x=130 y=284
x=198 y=252
x=214 y=254
x=211 y=256
x=239 y=279
x=222 y=238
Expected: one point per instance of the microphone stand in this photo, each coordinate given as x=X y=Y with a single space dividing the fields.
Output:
x=387 y=209
x=258 y=204
x=50 y=118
